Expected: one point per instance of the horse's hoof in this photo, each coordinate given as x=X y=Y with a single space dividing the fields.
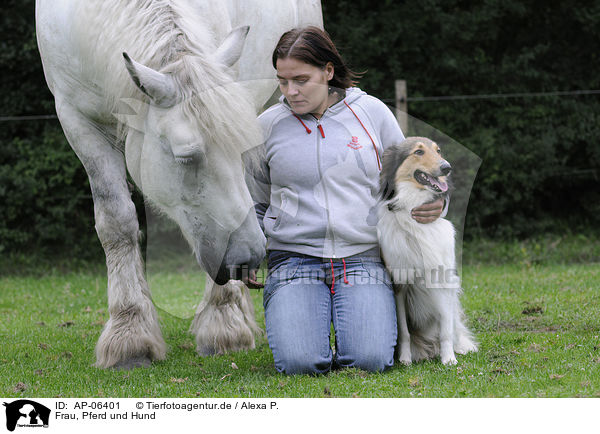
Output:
x=132 y=363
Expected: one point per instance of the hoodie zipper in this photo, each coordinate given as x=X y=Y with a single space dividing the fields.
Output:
x=319 y=137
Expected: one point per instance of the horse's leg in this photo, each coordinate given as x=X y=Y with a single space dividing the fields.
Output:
x=204 y=320
x=224 y=320
x=132 y=336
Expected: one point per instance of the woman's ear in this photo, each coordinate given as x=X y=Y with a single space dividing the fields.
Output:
x=329 y=70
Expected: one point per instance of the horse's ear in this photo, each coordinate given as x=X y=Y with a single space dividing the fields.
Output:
x=158 y=86
x=231 y=49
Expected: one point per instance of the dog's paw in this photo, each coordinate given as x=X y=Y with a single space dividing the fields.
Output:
x=405 y=356
x=404 y=361
x=449 y=360
x=465 y=345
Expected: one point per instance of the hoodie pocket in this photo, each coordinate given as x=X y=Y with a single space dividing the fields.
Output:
x=281 y=211
x=288 y=208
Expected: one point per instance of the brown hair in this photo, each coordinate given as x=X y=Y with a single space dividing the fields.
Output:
x=314 y=46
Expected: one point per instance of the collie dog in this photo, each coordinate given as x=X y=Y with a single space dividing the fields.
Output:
x=420 y=257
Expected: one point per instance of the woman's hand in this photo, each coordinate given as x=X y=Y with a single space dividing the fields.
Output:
x=251 y=281
x=428 y=212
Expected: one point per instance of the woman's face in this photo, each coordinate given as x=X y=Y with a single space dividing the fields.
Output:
x=305 y=86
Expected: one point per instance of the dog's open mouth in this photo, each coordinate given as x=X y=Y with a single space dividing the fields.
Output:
x=430 y=181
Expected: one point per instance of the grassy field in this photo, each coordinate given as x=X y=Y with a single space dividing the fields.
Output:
x=538 y=328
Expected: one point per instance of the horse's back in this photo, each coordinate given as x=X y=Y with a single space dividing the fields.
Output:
x=76 y=70
x=81 y=43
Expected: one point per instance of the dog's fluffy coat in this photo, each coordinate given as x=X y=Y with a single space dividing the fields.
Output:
x=420 y=257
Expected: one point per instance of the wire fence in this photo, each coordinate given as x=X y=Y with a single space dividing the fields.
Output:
x=27 y=118
x=409 y=99
x=498 y=96
x=505 y=95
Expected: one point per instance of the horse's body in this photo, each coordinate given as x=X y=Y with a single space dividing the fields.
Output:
x=182 y=143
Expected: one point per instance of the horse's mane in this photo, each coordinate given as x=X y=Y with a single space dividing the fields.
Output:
x=171 y=37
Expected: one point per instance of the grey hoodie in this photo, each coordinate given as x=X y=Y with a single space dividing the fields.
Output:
x=317 y=192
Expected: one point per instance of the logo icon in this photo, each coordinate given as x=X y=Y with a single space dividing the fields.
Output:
x=26 y=413
x=354 y=143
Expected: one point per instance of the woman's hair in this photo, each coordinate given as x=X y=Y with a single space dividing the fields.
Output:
x=314 y=46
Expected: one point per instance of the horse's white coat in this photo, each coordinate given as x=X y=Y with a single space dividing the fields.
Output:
x=174 y=118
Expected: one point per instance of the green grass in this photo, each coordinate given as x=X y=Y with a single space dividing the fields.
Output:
x=538 y=328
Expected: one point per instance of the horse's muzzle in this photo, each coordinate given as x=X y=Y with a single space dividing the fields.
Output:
x=245 y=251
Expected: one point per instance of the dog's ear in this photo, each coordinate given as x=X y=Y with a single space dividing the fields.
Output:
x=393 y=157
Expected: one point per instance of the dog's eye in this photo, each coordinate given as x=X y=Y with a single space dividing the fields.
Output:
x=439 y=151
x=419 y=152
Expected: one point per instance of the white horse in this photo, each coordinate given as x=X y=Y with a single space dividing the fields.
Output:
x=183 y=143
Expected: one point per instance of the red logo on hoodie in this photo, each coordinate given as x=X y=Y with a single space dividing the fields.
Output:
x=354 y=143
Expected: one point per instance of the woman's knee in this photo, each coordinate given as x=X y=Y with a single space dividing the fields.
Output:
x=375 y=362
x=368 y=359
x=312 y=364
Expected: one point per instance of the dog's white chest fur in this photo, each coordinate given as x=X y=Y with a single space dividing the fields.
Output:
x=421 y=261
x=410 y=246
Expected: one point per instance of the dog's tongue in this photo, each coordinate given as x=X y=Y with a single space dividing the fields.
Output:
x=441 y=185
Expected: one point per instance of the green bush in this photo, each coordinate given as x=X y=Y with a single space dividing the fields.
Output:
x=541 y=155
x=45 y=192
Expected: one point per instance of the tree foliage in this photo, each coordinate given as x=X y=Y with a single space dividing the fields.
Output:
x=45 y=200
x=541 y=155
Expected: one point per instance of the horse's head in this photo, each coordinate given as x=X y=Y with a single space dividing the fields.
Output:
x=188 y=159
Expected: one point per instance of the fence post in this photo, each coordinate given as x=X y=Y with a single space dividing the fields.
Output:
x=402 y=105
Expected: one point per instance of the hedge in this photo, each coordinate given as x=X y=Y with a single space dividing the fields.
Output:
x=541 y=154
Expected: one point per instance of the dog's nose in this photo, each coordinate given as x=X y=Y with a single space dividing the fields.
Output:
x=445 y=168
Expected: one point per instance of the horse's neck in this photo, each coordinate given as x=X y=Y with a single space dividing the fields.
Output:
x=153 y=33
x=167 y=25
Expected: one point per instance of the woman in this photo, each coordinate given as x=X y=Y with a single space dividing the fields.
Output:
x=316 y=202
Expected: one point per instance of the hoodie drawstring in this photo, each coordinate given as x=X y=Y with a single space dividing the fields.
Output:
x=333 y=276
x=308 y=130
x=364 y=128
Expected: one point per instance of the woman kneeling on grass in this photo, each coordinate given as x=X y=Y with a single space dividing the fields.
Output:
x=316 y=202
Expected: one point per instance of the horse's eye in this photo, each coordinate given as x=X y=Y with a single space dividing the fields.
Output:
x=193 y=158
x=419 y=152
x=184 y=161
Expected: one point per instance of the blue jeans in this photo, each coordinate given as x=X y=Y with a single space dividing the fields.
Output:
x=301 y=299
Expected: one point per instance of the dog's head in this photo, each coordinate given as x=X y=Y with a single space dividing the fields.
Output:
x=418 y=161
